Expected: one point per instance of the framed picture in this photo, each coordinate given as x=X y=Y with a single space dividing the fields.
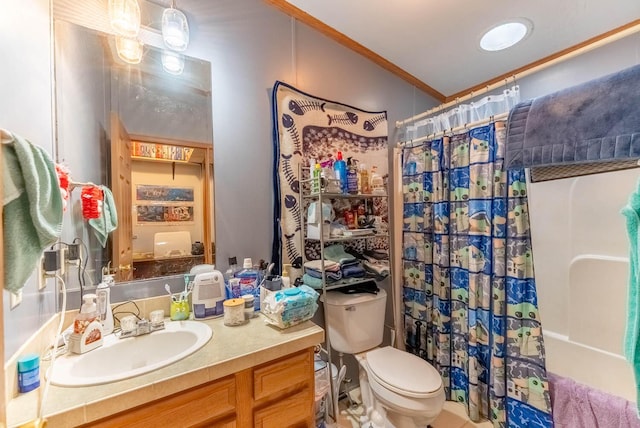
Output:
x=164 y=214
x=153 y=193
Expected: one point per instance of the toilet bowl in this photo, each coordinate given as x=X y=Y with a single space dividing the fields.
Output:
x=399 y=389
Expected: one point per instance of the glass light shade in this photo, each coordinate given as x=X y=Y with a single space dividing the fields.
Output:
x=129 y=50
x=172 y=62
x=505 y=35
x=175 y=29
x=124 y=16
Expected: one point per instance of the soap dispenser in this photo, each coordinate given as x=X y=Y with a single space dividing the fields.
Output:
x=87 y=328
x=105 y=315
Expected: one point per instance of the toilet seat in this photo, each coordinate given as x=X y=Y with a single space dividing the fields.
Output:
x=403 y=373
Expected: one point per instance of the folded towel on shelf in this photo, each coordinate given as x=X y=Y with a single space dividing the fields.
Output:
x=317 y=283
x=577 y=405
x=108 y=220
x=337 y=254
x=377 y=254
x=595 y=121
x=328 y=265
x=379 y=268
x=32 y=217
x=353 y=271
x=331 y=276
x=632 y=331
x=311 y=281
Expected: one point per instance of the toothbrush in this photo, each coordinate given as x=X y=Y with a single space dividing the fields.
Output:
x=166 y=287
x=188 y=291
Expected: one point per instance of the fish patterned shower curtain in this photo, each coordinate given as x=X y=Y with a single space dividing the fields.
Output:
x=469 y=293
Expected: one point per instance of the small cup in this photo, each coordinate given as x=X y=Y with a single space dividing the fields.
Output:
x=179 y=310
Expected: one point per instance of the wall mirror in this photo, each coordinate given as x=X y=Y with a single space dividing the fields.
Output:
x=145 y=131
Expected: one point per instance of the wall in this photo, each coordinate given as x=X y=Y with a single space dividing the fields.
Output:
x=25 y=109
x=249 y=45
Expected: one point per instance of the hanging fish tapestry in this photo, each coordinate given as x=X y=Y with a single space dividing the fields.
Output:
x=309 y=128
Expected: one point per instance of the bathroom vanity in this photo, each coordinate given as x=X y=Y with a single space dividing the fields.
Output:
x=252 y=375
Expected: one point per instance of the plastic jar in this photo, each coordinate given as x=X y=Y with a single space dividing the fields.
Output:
x=249 y=311
x=28 y=372
x=233 y=312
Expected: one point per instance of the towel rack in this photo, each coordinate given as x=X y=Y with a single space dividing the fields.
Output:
x=74 y=184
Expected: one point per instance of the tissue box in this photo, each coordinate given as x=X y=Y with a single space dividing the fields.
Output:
x=291 y=306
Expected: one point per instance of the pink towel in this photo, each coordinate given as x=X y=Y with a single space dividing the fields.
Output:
x=579 y=406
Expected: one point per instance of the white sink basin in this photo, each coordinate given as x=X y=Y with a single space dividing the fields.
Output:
x=119 y=359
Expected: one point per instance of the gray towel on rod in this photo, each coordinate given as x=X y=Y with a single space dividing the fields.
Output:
x=596 y=121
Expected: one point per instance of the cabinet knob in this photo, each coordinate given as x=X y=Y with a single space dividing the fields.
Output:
x=350 y=308
x=124 y=267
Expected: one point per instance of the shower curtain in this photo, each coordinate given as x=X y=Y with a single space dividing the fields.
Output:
x=469 y=292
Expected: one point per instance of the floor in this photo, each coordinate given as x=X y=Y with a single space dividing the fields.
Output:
x=453 y=415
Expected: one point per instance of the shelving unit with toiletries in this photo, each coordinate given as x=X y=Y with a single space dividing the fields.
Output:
x=345 y=241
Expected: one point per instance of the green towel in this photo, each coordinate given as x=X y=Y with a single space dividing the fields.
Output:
x=337 y=254
x=632 y=331
x=108 y=220
x=32 y=209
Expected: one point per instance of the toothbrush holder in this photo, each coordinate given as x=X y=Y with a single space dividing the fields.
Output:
x=179 y=310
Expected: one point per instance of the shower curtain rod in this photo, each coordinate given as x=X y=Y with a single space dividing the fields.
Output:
x=410 y=143
x=612 y=36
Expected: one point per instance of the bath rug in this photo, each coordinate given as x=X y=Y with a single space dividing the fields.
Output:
x=308 y=127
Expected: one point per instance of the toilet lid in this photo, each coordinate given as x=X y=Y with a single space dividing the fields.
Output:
x=403 y=372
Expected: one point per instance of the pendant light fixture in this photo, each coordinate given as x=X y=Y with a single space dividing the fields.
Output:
x=175 y=28
x=172 y=62
x=129 y=50
x=124 y=16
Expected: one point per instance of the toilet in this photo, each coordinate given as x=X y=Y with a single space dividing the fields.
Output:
x=399 y=389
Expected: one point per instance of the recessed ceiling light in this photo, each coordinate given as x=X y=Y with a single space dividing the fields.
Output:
x=505 y=35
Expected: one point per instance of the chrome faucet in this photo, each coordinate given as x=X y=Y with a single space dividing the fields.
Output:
x=131 y=328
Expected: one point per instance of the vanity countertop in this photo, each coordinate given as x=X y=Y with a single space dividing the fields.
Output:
x=230 y=349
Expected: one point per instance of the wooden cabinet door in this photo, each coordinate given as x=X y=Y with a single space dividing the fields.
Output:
x=292 y=412
x=122 y=254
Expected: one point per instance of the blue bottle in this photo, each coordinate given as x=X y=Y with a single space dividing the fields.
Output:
x=340 y=167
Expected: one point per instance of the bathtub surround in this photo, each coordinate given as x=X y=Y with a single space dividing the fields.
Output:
x=632 y=331
x=468 y=282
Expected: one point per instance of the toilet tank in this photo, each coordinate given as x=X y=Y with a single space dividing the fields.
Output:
x=355 y=322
